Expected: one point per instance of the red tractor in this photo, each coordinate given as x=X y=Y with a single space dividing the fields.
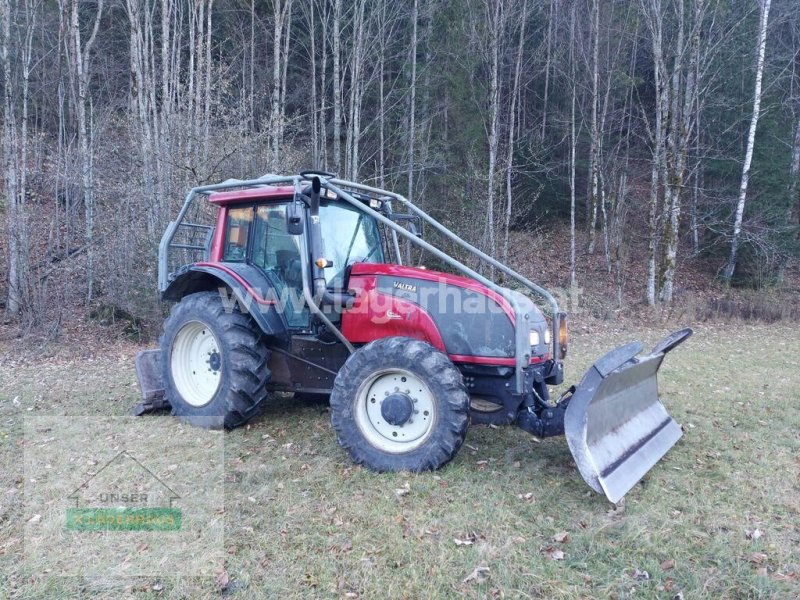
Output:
x=298 y=285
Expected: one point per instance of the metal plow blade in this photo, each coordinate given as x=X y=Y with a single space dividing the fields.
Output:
x=615 y=425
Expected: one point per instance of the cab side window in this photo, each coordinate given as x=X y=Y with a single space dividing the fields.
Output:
x=238 y=230
x=278 y=254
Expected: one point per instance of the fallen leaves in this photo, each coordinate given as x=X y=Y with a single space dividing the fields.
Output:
x=618 y=510
x=552 y=553
x=222 y=580
x=756 y=558
x=562 y=537
x=754 y=534
x=403 y=491
x=667 y=565
x=465 y=541
x=478 y=575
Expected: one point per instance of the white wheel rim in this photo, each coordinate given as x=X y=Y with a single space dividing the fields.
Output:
x=196 y=363
x=395 y=439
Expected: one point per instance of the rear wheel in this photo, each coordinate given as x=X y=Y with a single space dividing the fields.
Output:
x=398 y=404
x=215 y=362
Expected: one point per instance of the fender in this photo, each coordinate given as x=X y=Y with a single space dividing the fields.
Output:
x=250 y=287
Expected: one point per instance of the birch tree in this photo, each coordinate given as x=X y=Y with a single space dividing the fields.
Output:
x=280 y=36
x=337 y=92
x=594 y=152
x=495 y=20
x=412 y=101
x=573 y=143
x=512 y=125
x=751 y=140
x=81 y=65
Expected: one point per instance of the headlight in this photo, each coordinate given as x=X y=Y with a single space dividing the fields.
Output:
x=534 y=338
x=547 y=336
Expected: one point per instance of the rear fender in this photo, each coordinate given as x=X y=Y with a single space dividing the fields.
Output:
x=237 y=284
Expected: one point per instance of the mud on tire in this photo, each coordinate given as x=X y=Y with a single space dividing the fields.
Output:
x=387 y=381
x=214 y=361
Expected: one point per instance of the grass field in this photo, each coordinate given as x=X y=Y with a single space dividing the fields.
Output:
x=719 y=517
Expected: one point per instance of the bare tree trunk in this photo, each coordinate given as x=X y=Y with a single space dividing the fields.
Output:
x=698 y=170
x=140 y=106
x=356 y=93
x=337 y=92
x=550 y=22
x=573 y=142
x=314 y=107
x=14 y=301
x=191 y=85
x=323 y=82
x=382 y=99
x=165 y=110
x=495 y=17
x=81 y=58
x=751 y=139
x=280 y=10
x=677 y=145
x=653 y=14
x=423 y=119
x=594 y=154
x=252 y=95
x=412 y=126
x=512 y=124
x=794 y=189
x=284 y=73
x=207 y=90
x=617 y=235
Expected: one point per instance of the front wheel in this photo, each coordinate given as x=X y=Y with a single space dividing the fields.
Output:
x=398 y=404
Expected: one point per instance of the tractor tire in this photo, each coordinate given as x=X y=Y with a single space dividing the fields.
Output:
x=215 y=363
x=399 y=404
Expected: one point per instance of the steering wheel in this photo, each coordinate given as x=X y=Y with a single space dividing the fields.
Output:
x=311 y=173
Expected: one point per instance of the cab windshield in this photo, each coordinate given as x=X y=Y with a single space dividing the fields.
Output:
x=349 y=236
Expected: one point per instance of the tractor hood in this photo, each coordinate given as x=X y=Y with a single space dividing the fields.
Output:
x=421 y=273
x=467 y=318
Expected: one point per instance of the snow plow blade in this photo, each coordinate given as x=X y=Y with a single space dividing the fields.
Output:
x=615 y=424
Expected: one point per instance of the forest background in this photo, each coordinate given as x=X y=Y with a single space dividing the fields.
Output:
x=646 y=152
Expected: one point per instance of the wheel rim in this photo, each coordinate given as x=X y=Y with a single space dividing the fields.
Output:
x=399 y=387
x=196 y=363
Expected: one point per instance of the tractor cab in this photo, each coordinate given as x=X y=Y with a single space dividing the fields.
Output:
x=260 y=229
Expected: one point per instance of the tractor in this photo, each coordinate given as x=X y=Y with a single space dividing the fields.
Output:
x=298 y=284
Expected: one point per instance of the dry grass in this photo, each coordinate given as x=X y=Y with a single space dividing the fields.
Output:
x=301 y=521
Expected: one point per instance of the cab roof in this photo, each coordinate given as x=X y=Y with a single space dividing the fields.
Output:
x=265 y=192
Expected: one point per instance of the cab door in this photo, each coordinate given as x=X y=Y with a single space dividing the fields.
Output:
x=278 y=254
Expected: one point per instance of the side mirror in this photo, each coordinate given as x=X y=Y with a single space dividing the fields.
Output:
x=412 y=222
x=294 y=218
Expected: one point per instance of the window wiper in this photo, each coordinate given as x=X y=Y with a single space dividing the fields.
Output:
x=353 y=240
